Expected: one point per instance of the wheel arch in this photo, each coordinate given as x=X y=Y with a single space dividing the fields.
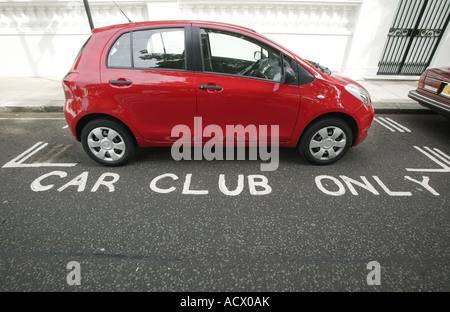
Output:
x=90 y=117
x=343 y=116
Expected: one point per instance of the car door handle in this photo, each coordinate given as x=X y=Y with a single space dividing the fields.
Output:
x=120 y=82
x=208 y=87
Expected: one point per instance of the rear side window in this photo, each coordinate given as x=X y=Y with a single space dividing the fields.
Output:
x=149 y=49
x=120 y=53
x=159 y=49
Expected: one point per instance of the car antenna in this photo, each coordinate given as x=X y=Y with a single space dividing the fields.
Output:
x=122 y=12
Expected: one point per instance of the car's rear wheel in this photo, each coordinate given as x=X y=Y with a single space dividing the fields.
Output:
x=326 y=141
x=107 y=142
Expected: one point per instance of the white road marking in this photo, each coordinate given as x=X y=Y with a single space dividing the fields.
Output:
x=18 y=162
x=442 y=153
x=391 y=125
x=384 y=125
x=28 y=153
x=439 y=156
x=433 y=155
x=397 y=124
x=334 y=187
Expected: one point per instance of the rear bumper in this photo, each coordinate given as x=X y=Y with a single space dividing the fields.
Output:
x=429 y=103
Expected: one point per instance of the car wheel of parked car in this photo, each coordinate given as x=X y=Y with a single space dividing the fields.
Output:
x=107 y=142
x=326 y=141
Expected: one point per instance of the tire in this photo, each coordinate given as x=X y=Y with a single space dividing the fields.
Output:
x=107 y=142
x=326 y=141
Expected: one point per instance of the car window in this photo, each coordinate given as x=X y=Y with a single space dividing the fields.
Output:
x=160 y=48
x=155 y=48
x=236 y=54
x=120 y=52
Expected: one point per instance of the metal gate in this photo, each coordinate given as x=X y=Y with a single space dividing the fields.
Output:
x=414 y=37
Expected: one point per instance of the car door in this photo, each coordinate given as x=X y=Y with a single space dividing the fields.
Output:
x=241 y=84
x=145 y=74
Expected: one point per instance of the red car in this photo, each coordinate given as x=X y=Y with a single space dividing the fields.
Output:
x=433 y=90
x=132 y=83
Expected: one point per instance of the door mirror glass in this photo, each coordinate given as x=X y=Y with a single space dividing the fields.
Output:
x=289 y=75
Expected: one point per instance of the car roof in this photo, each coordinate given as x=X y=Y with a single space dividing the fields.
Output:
x=171 y=23
x=199 y=23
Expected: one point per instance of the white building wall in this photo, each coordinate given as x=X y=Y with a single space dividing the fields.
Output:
x=369 y=37
x=316 y=30
x=442 y=55
x=42 y=37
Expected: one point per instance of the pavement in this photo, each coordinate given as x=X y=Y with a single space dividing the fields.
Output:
x=45 y=94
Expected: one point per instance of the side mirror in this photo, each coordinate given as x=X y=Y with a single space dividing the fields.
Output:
x=257 y=55
x=289 y=75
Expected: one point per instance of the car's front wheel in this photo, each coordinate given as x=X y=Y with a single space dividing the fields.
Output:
x=326 y=141
x=107 y=142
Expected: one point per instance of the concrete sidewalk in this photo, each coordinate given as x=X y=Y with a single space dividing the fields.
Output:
x=31 y=94
x=391 y=96
x=45 y=94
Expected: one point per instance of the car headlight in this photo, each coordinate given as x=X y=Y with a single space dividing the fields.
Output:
x=359 y=93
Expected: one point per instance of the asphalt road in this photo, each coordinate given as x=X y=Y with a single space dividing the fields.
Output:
x=299 y=228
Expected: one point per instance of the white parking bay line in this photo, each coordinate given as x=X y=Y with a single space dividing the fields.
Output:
x=18 y=162
x=384 y=125
x=391 y=124
x=442 y=153
x=396 y=123
x=29 y=152
x=439 y=158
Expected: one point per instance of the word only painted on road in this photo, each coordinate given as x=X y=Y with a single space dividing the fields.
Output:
x=334 y=186
x=338 y=186
x=163 y=184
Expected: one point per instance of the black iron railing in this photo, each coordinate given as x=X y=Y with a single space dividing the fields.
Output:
x=414 y=36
